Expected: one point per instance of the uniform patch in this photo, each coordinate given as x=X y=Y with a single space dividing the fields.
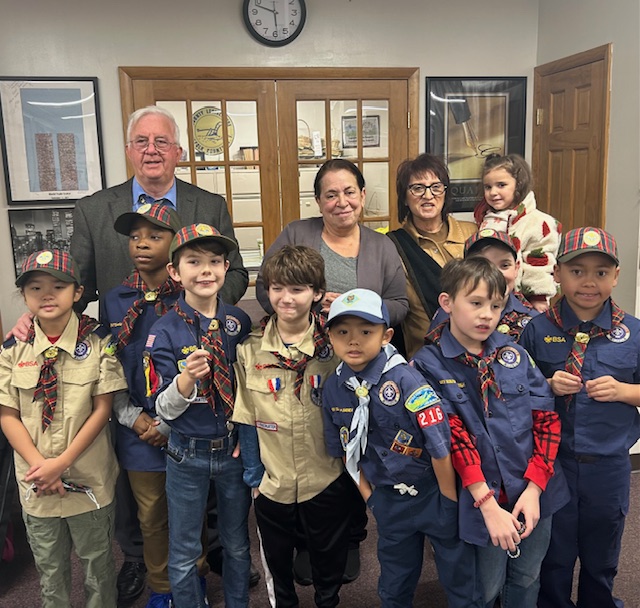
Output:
x=232 y=326
x=111 y=347
x=509 y=357
x=344 y=437
x=619 y=333
x=421 y=399
x=591 y=238
x=267 y=426
x=182 y=365
x=44 y=258
x=524 y=321
x=401 y=443
x=82 y=350
x=389 y=393
x=430 y=417
x=150 y=340
x=557 y=339
x=325 y=353
x=316 y=396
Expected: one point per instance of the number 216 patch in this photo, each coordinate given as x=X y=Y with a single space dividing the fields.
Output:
x=430 y=416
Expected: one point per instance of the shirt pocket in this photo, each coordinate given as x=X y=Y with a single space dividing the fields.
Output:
x=77 y=388
x=25 y=381
x=617 y=361
x=266 y=381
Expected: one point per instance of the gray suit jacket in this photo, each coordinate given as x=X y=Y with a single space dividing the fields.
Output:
x=103 y=255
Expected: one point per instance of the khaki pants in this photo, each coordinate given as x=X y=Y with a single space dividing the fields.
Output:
x=91 y=535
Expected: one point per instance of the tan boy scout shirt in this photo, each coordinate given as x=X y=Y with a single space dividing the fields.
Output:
x=290 y=430
x=81 y=375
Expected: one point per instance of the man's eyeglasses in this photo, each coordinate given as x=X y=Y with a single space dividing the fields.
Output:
x=140 y=144
x=419 y=190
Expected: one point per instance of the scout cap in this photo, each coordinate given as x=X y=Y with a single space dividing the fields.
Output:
x=362 y=303
x=199 y=232
x=163 y=216
x=489 y=233
x=586 y=240
x=55 y=262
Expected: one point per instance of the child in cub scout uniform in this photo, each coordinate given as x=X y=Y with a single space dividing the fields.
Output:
x=390 y=427
x=280 y=371
x=130 y=310
x=192 y=350
x=589 y=349
x=499 y=248
x=504 y=432
x=56 y=392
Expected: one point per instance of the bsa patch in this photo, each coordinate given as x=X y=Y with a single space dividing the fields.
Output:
x=509 y=357
x=325 y=353
x=44 y=258
x=430 y=417
x=389 y=393
x=203 y=230
x=524 y=321
x=316 y=396
x=232 y=326
x=111 y=347
x=591 y=238
x=82 y=350
x=182 y=364
x=403 y=438
x=421 y=399
x=619 y=333
x=344 y=437
x=267 y=426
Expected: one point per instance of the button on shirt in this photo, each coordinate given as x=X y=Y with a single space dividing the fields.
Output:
x=394 y=431
x=290 y=430
x=80 y=377
x=590 y=426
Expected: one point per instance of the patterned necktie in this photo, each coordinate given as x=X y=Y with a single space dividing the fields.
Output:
x=155 y=297
x=47 y=387
x=211 y=341
x=511 y=325
x=581 y=339
x=320 y=344
x=144 y=199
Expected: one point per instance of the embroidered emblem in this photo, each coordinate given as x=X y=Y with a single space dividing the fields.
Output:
x=558 y=339
x=182 y=365
x=591 y=238
x=344 y=437
x=203 y=230
x=316 y=396
x=82 y=350
x=111 y=347
x=503 y=328
x=350 y=299
x=430 y=417
x=266 y=426
x=509 y=357
x=232 y=326
x=44 y=258
x=421 y=399
x=524 y=321
x=401 y=443
x=389 y=393
x=619 y=333
x=325 y=353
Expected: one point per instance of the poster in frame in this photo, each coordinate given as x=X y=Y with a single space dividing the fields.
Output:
x=51 y=139
x=37 y=229
x=370 y=131
x=467 y=120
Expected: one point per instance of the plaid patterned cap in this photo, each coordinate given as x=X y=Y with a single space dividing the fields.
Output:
x=163 y=216
x=586 y=240
x=55 y=262
x=488 y=233
x=198 y=232
x=362 y=303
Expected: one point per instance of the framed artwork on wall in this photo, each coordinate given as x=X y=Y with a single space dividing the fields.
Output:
x=469 y=119
x=51 y=139
x=36 y=229
x=370 y=131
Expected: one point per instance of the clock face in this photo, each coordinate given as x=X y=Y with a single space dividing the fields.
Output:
x=274 y=22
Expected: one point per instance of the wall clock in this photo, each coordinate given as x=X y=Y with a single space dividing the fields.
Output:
x=274 y=22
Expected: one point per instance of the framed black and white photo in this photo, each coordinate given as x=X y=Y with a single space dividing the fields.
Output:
x=467 y=120
x=51 y=140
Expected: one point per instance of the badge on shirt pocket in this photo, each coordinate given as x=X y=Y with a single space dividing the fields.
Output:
x=82 y=351
x=508 y=357
x=389 y=393
x=619 y=333
x=232 y=326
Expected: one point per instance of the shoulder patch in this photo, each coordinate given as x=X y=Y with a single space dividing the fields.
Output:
x=421 y=399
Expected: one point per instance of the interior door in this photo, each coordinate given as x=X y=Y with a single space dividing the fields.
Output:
x=570 y=137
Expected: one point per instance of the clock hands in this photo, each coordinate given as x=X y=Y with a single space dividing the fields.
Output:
x=271 y=10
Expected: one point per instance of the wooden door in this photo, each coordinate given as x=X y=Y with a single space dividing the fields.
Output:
x=570 y=137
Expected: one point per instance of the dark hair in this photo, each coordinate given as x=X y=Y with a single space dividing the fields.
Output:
x=458 y=275
x=202 y=246
x=336 y=164
x=295 y=265
x=517 y=167
x=410 y=169
x=481 y=245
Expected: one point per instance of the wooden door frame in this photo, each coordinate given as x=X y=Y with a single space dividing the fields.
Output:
x=600 y=53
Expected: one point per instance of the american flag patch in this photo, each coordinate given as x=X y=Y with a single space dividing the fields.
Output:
x=150 y=340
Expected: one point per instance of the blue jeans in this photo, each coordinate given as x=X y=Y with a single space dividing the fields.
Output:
x=516 y=581
x=191 y=464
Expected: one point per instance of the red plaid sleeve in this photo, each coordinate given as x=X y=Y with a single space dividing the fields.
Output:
x=546 y=440
x=464 y=455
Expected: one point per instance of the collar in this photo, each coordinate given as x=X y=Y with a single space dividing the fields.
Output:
x=66 y=342
x=372 y=373
x=171 y=196
x=514 y=304
x=272 y=342
x=455 y=234
x=191 y=312
x=451 y=348
x=526 y=206
x=569 y=318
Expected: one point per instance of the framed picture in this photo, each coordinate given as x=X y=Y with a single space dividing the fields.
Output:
x=370 y=131
x=51 y=140
x=467 y=120
x=36 y=229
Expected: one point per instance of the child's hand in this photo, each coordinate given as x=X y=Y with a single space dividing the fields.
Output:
x=529 y=506
x=563 y=383
x=47 y=476
x=329 y=297
x=146 y=428
x=541 y=306
x=503 y=526
x=604 y=388
x=197 y=364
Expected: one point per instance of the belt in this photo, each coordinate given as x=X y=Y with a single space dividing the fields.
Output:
x=587 y=458
x=210 y=445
